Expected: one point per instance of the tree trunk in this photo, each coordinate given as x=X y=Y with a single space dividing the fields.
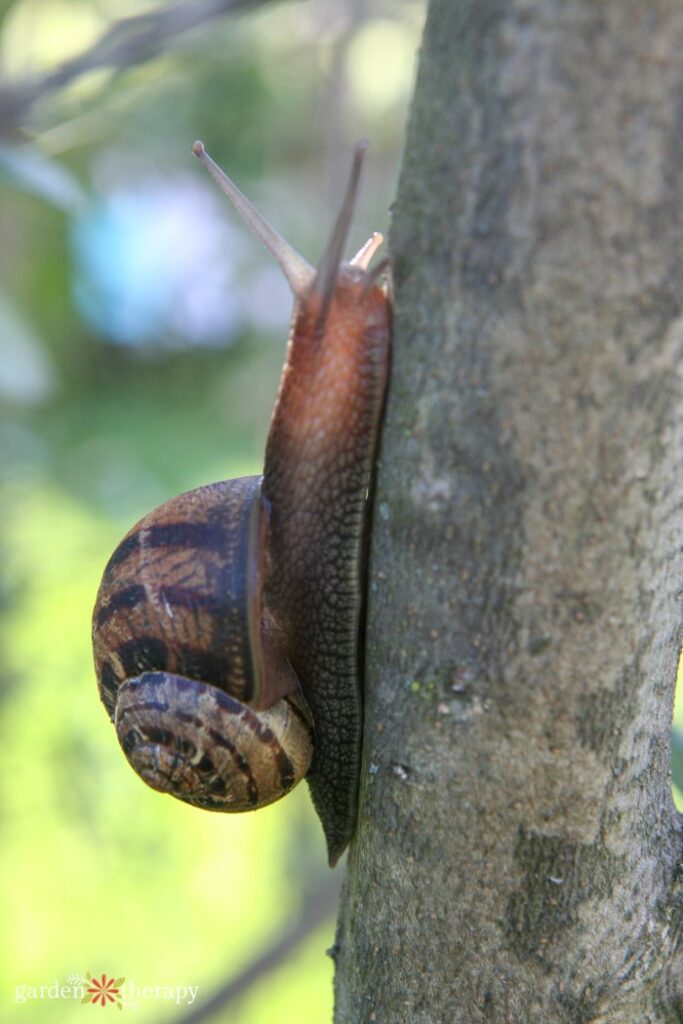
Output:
x=517 y=852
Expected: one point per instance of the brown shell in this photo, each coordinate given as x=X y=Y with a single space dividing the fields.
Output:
x=195 y=742
x=182 y=594
x=185 y=654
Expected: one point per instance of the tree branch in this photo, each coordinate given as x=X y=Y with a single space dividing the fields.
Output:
x=126 y=43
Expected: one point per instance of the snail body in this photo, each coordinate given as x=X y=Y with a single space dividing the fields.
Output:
x=226 y=627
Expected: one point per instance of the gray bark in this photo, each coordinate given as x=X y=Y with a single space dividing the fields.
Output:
x=517 y=857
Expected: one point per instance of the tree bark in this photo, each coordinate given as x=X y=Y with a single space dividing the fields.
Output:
x=517 y=857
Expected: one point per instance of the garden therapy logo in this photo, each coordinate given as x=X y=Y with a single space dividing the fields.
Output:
x=103 y=990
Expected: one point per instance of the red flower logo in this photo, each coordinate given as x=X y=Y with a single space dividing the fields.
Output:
x=103 y=990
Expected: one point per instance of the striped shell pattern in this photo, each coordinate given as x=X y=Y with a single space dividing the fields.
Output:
x=183 y=659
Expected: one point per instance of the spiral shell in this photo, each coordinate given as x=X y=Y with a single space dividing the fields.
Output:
x=188 y=662
x=195 y=742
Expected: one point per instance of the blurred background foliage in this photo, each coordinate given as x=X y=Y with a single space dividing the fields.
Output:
x=141 y=339
x=142 y=334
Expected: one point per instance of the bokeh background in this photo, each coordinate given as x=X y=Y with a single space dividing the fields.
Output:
x=142 y=333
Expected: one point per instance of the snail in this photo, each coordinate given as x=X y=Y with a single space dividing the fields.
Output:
x=226 y=630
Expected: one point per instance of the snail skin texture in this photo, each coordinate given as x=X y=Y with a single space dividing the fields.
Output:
x=226 y=627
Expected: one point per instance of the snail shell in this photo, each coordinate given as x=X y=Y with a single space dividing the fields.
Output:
x=189 y=667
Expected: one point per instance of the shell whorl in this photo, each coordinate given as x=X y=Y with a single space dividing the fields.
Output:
x=202 y=746
x=188 y=661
